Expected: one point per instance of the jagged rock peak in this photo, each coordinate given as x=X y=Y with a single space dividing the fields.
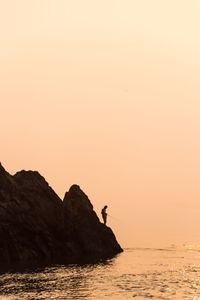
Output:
x=6 y=179
x=30 y=176
x=34 y=181
x=77 y=198
x=2 y=168
x=74 y=188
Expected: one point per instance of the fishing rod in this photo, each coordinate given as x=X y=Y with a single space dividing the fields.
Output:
x=113 y=217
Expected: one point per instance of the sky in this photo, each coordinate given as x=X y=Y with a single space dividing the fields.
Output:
x=105 y=94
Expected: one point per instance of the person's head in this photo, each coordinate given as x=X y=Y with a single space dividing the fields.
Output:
x=105 y=206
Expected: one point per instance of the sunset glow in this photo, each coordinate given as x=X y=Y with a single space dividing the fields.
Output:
x=105 y=94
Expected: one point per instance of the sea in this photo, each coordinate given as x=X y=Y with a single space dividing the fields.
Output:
x=137 y=273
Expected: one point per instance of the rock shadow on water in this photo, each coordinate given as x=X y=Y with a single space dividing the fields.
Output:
x=73 y=281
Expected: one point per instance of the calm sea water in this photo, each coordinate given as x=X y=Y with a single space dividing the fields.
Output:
x=138 y=273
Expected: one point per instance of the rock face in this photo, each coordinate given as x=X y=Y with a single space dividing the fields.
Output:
x=36 y=226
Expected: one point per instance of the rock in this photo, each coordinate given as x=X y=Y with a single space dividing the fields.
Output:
x=36 y=226
x=91 y=237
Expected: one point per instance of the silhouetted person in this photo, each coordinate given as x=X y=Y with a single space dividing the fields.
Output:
x=104 y=214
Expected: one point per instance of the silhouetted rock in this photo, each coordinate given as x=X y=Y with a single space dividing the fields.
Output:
x=37 y=226
x=90 y=237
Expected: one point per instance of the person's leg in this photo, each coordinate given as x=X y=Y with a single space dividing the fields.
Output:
x=104 y=219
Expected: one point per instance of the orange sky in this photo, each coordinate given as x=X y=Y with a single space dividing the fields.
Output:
x=106 y=94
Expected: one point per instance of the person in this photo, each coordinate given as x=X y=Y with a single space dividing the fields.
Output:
x=104 y=214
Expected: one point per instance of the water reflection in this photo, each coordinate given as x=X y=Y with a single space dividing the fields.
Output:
x=138 y=273
x=79 y=280
x=56 y=282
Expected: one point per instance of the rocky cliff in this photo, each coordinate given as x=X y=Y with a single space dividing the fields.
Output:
x=36 y=226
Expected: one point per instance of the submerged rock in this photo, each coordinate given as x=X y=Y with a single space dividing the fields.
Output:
x=36 y=226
